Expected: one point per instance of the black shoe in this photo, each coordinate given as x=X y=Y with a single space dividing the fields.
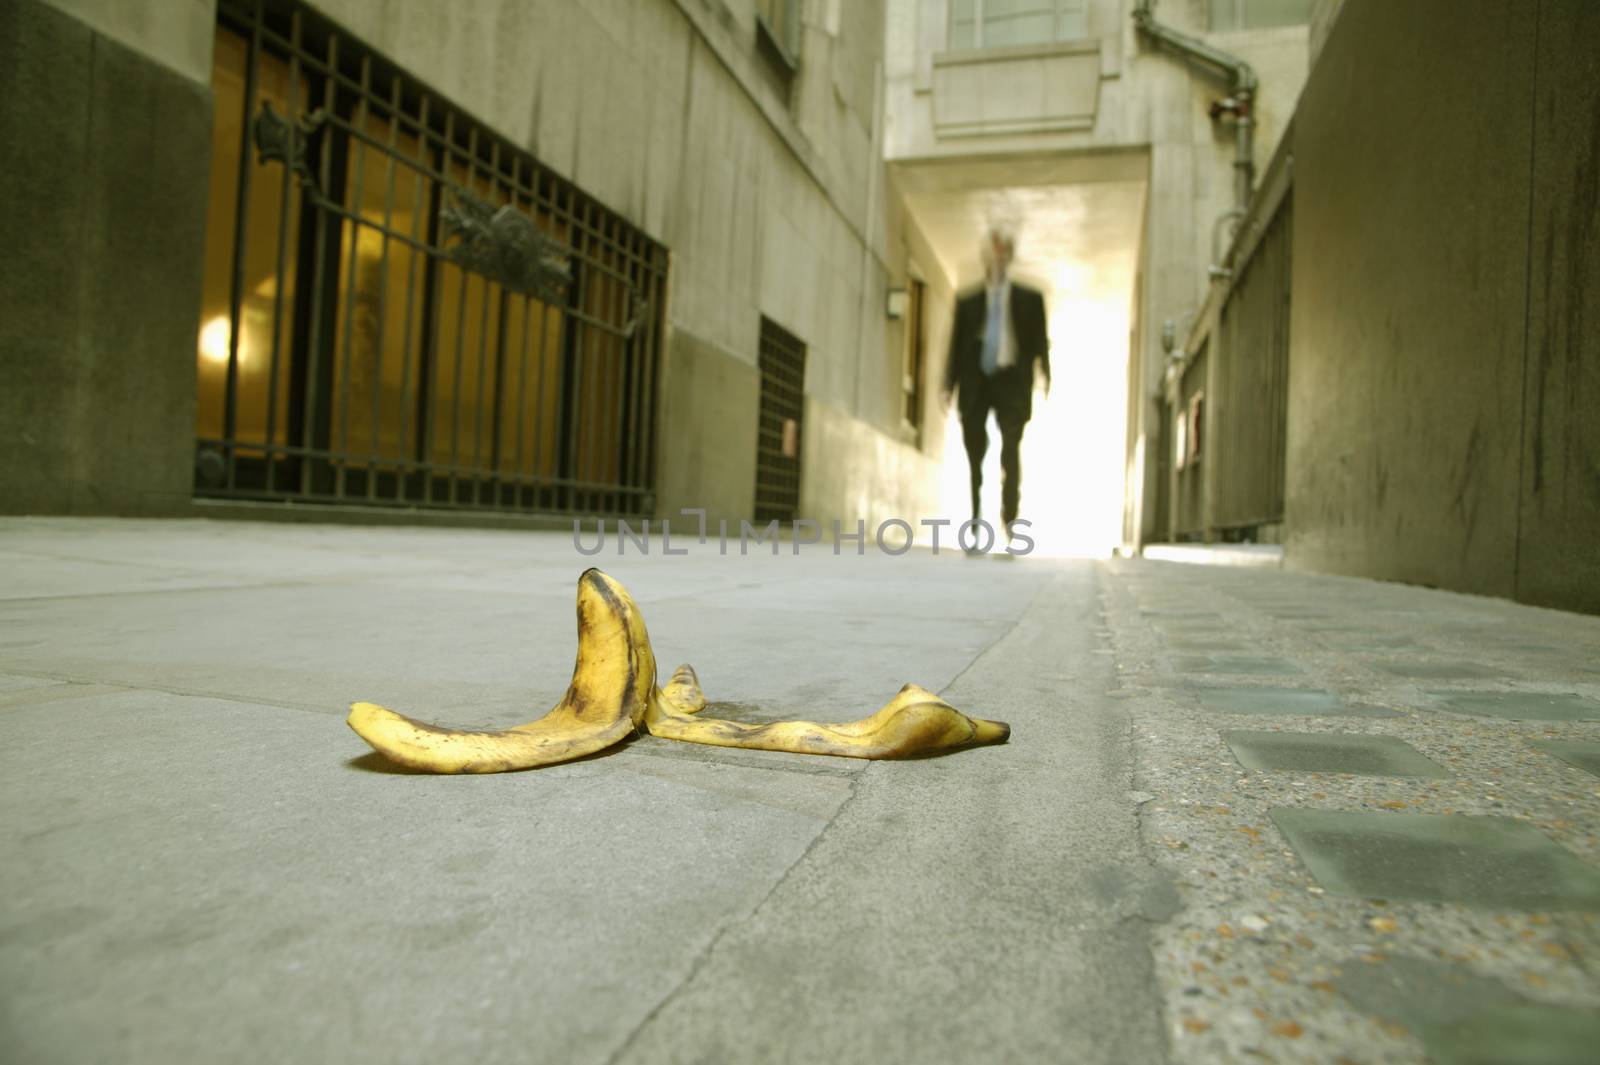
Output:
x=972 y=551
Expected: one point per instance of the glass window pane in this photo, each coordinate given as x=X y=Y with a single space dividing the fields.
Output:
x=963 y=35
x=1262 y=13
x=999 y=9
x=1018 y=29
x=601 y=352
x=227 y=119
x=466 y=337
x=1072 y=20
x=376 y=413
x=1258 y=14
x=961 y=10
x=1224 y=15
x=265 y=306
x=531 y=379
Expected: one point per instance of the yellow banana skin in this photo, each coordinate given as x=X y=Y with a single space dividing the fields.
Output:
x=914 y=722
x=612 y=683
x=614 y=691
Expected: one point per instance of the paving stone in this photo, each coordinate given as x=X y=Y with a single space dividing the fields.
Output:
x=1284 y=701
x=1253 y=665
x=1468 y=1019
x=1438 y=670
x=1421 y=991
x=1520 y=706
x=1491 y=862
x=1331 y=752
x=1517 y=1035
x=1585 y=756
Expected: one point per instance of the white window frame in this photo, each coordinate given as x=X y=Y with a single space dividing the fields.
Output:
x=1241 y=22
x=1062 y=9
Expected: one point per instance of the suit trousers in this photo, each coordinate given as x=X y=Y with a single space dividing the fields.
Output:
x=999 y=394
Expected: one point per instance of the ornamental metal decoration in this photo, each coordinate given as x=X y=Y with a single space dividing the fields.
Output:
x=279 y=139
x=505 y=246
x=637 y=308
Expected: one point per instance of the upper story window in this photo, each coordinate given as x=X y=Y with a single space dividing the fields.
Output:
x=1258 y=14
x=779 y=20
x=998 y=23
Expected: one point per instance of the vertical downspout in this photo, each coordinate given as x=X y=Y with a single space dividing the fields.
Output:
x=1242 y=87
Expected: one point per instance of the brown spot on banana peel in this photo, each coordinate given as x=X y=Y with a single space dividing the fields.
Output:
x=593 y=716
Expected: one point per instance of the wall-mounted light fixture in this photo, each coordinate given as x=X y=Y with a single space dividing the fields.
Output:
x=896 y=303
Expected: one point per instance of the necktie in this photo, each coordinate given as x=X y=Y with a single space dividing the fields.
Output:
x=991 y=336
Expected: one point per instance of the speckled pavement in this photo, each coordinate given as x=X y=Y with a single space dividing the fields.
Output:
x=1380 y=806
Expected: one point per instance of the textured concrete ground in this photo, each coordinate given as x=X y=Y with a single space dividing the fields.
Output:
x=1382 y=849
x=200 y=863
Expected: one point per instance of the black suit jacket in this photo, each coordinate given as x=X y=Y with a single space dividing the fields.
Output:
x=1010 y=390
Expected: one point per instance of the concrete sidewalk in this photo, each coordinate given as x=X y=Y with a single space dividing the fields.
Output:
x=200 y=863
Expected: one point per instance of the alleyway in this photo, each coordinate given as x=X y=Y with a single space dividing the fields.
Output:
x=1244 y=815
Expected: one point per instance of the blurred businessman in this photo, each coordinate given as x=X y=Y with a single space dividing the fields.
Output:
x=997 y=344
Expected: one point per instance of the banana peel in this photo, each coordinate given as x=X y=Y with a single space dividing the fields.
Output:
x=614 y=693
x=612 y=682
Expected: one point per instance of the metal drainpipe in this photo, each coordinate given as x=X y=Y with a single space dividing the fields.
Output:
x=1242 y=87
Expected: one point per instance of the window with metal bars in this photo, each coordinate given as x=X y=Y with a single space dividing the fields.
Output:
x=400 y=306
x=783 y=380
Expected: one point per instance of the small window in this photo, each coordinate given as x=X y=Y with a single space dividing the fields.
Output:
x=1258 y=14
x=1000 y=23
x=1192 y=430
x=912 y=381
x=781 y=360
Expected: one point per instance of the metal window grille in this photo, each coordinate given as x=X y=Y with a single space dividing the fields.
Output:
x=783 y=378
x=1252 y=383
x=402 y=307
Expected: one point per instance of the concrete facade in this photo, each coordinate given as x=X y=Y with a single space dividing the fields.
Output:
x=769 y=197
x=1086 y=111
x=1441 y=429
x=99 y=291
x=769 y=200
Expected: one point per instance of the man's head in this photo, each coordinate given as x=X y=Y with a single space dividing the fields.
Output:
x=999 y=248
